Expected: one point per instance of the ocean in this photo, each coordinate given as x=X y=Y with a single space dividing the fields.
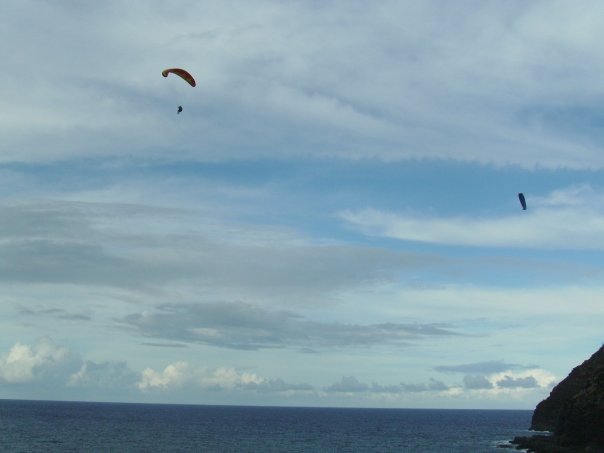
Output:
x=49 y=426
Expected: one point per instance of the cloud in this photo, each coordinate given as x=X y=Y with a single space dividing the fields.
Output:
x=278 y=385
x=245 y=326
x=433 y=385
x=502 y=99
x=520 y=382
x=548 y=224
x=103 y=376
x=174 y=375
x=44 y=360
x=350 y=384
x=215 y=228
x=490 y=367
x=180 y=375
x=63 y=242
x=142 y=246
x=494 y=382
x=496 y=375
x=54 y=370
x=472 y=382
x=58 y=313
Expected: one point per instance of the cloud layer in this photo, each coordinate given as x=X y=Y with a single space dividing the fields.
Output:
x=42 y=360
x=566 y=219
x=243 y=326
x=25 y=369
x=490 y=85
x=333 y=212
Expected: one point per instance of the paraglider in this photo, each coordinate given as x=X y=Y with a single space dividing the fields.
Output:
x=522 y=201
x=181 y=73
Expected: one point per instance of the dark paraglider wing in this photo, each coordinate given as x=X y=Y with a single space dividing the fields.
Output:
x=181 y=73
x=522 y=200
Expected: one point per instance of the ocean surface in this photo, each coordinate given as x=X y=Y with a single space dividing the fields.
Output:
x=44 y=426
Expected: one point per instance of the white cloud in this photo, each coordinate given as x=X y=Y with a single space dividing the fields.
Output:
x=393 y=80
x=523 y=379
x=180 y=375
x=27 y=363
x=174 y=375
x=497 y=376
x=228 y=378
x=566 y=219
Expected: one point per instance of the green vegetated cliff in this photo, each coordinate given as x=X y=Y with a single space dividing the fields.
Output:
x=573 y=412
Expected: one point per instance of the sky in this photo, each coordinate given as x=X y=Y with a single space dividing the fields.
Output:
x=332 y=220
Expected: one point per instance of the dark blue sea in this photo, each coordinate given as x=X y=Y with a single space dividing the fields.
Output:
x=44 y=426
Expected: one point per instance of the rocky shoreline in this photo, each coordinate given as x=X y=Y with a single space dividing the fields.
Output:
x=573 y=413
x=540 y=443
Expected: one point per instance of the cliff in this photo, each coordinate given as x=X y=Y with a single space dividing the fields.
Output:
x=574 y=411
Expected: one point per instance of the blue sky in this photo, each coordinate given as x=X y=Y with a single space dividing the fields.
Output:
x=333 y=219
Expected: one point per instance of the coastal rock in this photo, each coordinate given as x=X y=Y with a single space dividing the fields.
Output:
x=548 y=411
x=542 y=444
x=581 y=420
x=574 y=411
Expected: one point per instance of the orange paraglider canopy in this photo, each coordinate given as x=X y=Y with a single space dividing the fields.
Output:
x=181 y=73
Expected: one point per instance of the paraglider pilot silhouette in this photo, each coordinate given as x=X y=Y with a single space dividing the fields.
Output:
x=179 y=109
